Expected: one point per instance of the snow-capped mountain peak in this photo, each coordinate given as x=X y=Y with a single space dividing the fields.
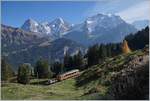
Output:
x=59 y=26
x=60 y=20
x=110 y=15
x=57 y=21
x=99 y=28
x=31 y=21
x=54 y=29
x=30 y=25
x=102 y=21
x=45 y=23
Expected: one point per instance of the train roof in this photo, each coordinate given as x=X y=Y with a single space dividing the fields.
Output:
x=71 y=71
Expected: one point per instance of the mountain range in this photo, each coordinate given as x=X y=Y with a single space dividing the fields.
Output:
x=54 y=29
x=98 y=28
x=50 y=40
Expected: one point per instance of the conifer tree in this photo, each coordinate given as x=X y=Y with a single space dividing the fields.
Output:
x=93 y=55
x=57 y=67
x=78 y=60
x=24 y=73
x=139 y=39
x=102 y=51
x=109 y=51
x=42 y=69
x=66 y=62
x=6 y=70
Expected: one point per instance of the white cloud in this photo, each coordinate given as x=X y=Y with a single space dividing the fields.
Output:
x=139 y=11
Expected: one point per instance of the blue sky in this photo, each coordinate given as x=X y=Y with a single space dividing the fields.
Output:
x=14 y=13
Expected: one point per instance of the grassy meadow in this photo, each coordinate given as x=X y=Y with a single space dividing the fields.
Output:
x=61 y=90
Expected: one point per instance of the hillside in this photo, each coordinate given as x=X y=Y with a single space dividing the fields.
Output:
x=119 y=76
x=47 y=50
x=102 y=81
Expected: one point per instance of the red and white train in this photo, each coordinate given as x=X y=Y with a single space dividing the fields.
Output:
x=69 y=74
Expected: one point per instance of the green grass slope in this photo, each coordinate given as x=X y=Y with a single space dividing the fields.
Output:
x=97 y=80
x=61 y=90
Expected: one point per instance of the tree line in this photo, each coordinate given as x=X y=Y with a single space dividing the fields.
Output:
x=139 y=39
x=97 y=53
x=42 y=68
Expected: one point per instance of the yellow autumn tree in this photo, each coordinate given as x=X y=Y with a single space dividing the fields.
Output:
x=125 y=47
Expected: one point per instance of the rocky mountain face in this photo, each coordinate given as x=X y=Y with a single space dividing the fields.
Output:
x=59 y=27
x=31 y=26
x=140 y=24
x=20 y=46
x=52 y=51
x=54 y=29
x=100 y=29
x=16 y=39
